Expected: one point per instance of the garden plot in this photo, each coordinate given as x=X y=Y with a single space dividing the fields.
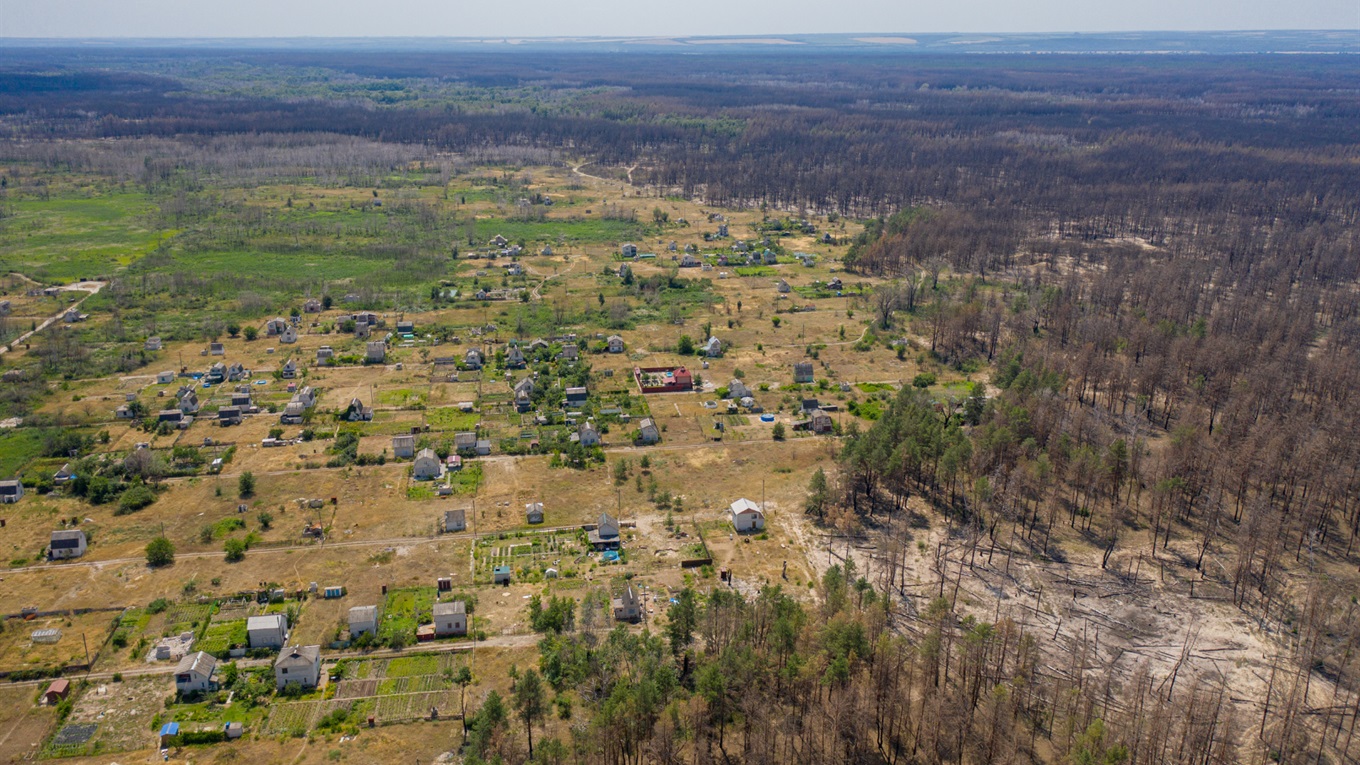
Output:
x=120 y=713
x=297 y=717
x=529 y=554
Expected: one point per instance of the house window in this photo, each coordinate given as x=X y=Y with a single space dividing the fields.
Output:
x=285 y=670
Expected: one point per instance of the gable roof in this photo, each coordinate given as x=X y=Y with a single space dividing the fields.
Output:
x=199 y=663
x=310 y=654
x=266 y=622
x=67 y=539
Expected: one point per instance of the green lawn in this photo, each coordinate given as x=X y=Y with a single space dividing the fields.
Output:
x=451 y=418
x=405 y=609
x=17 y=448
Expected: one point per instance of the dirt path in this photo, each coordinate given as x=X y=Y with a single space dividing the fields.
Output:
x=92 y=287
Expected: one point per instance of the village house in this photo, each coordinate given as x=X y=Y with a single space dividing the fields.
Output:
x=427 y=466
x=533 y=512
x=196 y=673
x=63 y=474
x=376 y=352
x=216 y=373
x=647 y=431
x=500 y=575
x=783 y=287
x=497 y=241
x=406 y=327
x=124 y=412
x=713 y=348
x=289 y=370
x=5 y=308
x=241 y=399
x=325 y=355
x=629 y=250
x=802 y=372
x=577 y=396
x=587 y=435
x=288 y=335
x=722 y=230
x=188 y=401
x=605 y=535
x=66 y=543
x=482 y=447
x=172 y=416
x=570 y=352
x=306 y=396
x=689 y=261
x=614 y=344
x=153 y=343
x=524 y=392
x=820 y=422
x=362 y=331
x=165 y=378
x=746 y=516
x=627 y=608
x=298 y=664
x=404 y=446
x=217 y=349
x=275 y=327
x=237 y=372
x=267 y=631
x=514 y=357
x=770 y=258
x=473 y=359
x=455 y=520
x=547 y=250
x=229 y=415
x=357 y=412
x=293 y=412
x=450 y=618
x=465 y=441
x=363 y=619
x=311 y=306
x=737 y=390
x=73 y=315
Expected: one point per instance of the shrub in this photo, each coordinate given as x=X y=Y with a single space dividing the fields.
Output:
x=160 y=552
x=235 y=550
x=135 y=499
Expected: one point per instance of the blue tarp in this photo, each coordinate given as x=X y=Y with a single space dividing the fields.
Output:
x=170 y=729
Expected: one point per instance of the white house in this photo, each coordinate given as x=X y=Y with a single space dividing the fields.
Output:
x=713 y=347
x=195 y=673
x=533 y=512
x=289 y=370
x=473 y=359
x=745 y=515
x=153 y=343
x=288 y=335
x=298 y=664
x=587 y=435
x=647 y=431
x=629 y=250
x=363 y=619
x=67 y=543
x=165 y=378
x=450 y=618
x=404 y=446
x=267 y=631
x=11 y=492
x=427 y=466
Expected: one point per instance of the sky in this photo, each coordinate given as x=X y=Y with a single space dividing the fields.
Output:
x=610 y=18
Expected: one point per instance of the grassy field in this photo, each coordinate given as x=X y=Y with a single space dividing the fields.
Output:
x=64 y=239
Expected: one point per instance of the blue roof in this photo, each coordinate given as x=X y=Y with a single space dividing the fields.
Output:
x=502 y=569
x=170 y=729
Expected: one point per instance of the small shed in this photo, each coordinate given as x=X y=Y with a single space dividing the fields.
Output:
x=500 y=575
x=57 y=691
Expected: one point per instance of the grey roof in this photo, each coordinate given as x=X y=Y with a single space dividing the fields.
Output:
x=308 y=653
x=199 y=661
x=450 y=608
x=266 y=622
x=363 y=613
x=68 y=539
